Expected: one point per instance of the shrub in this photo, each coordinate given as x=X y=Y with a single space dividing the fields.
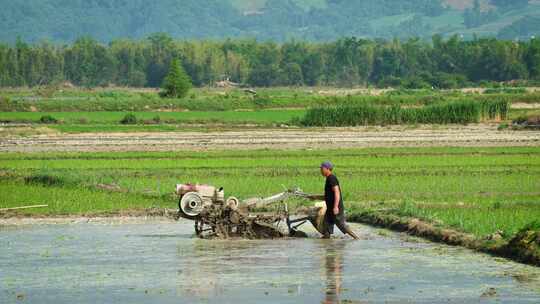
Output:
x=129 y=119
x=48 y=119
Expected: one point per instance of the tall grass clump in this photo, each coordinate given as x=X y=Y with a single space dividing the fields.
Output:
x=495 y=109
x=343 y=115
x=458 y=112
x=455 y=112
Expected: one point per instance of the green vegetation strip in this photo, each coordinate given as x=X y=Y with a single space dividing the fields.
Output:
x=480 y=192
x=131 y=110
x=111 y=118
x=477 y=190
x=206 y=99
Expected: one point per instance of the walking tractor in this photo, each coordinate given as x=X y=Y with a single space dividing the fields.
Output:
x=254 y=218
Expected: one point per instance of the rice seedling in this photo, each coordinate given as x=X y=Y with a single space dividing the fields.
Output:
x=477 y=190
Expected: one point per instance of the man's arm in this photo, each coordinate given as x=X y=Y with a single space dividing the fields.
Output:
x=337 y=198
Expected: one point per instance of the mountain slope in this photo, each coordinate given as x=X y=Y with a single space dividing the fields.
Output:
x=106 y=20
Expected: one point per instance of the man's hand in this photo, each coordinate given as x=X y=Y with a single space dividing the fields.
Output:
x=336 y=210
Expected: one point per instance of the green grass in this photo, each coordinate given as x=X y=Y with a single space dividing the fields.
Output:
x=199 y=99
x=71 y=200
x=476 y=190
x=82 y=122
x=104 y=118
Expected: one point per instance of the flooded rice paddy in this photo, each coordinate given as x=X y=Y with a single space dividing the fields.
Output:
x=157 y=261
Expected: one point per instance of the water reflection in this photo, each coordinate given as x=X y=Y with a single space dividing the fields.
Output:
x=208 y=268
x=333 y=269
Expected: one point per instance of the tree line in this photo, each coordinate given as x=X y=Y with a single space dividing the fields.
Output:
x=411 y=63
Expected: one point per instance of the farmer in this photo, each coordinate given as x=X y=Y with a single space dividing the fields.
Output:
x=335 y=213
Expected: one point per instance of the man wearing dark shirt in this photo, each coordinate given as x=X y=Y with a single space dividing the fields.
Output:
x=335 y=212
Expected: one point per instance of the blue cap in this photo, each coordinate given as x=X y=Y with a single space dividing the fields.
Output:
x=328 y=165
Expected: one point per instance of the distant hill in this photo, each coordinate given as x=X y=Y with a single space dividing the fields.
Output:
x=280 y=20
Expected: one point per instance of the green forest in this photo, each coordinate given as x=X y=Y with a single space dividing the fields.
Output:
x=276 y=20
x=411 y=63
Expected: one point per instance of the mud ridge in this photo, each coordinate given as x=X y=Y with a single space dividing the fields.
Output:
x=17 y=216
x=524 y=247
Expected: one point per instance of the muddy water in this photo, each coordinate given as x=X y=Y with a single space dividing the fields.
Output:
x=160 y=262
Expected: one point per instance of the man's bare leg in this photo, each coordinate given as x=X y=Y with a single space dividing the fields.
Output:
x=350 y=232
x=346 y=229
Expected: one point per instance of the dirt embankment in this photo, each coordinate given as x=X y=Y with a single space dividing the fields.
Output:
x=523 y=247
x=327 y=138
x=18 y=218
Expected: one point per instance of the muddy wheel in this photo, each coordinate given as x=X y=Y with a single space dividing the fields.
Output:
x=203 y=229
